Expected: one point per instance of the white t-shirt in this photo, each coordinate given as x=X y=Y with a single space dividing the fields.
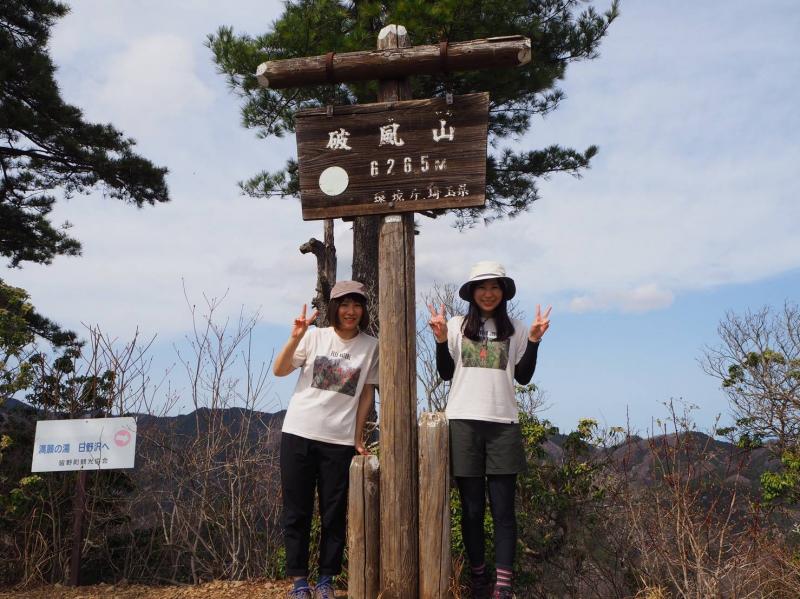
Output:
x=333 y=371
x=483 y=382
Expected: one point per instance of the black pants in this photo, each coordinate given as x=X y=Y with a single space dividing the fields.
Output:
x=308 y=466
x=502 y=493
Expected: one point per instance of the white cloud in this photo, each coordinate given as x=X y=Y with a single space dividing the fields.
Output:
x=694 y=186
x=152 y=82
x=641 y=299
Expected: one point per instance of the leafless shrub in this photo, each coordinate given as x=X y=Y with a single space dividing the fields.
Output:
x=204 y=497
x=95 y=379
x=434 y=389
x=209 y=493
x=689 y=521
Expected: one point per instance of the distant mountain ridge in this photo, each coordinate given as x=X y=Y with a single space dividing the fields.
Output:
x=637 y=456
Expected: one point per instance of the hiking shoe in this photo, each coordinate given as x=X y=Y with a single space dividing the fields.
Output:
x=479 y=586
x=324 y=591
x=503 y=593
x=301 y=593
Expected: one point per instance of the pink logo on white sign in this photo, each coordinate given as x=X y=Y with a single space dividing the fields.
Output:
x=122 y=438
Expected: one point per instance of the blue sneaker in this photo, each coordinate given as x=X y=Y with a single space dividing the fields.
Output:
x=324 y=591
x=301 y=593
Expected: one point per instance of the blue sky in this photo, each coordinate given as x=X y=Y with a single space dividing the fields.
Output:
x=689 y=210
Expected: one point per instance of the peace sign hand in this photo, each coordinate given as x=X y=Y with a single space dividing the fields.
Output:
x=301 y=323
x=438 y=324
x=540 y=325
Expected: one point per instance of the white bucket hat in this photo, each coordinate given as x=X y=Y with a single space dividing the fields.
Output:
x=488 y=269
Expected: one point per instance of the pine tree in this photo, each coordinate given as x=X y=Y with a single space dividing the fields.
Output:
x=47 y=148
x=561 y=32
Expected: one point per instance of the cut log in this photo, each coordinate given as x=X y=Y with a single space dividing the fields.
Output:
x=435 y=567
x=396 y=63
x=363 y=528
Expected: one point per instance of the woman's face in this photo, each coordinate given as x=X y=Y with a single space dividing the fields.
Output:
x=350 y=313
x=487 y=295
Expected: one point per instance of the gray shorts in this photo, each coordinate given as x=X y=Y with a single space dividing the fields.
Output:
x=480 y=447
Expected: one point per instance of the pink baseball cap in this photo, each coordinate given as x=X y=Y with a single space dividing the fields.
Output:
x=343 y=288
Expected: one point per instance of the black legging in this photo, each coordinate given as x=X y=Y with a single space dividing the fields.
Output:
x=502 y=490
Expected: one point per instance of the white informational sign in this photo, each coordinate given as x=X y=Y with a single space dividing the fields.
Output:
x=84 y=444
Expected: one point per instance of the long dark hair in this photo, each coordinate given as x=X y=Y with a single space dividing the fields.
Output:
x=333 y=310
x=472 y=324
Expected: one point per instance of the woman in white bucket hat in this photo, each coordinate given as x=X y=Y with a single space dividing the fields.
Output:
x=483 y=353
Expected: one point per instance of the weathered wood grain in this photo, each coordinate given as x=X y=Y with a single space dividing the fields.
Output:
x=398 y=383
x=396 y=63
x=325 y=253
x=415 y=173
x=435 y=567
x=399 y=505
x=363 y=528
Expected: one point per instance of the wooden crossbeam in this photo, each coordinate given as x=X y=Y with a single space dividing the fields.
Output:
x=396 y=63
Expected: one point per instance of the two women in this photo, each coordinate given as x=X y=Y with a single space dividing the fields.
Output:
x=323 y=429
x=482 y=353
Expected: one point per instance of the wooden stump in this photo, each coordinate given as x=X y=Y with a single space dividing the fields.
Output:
x=363 y=528
x=435 y=567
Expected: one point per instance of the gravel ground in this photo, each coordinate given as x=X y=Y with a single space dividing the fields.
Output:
x=251 y=589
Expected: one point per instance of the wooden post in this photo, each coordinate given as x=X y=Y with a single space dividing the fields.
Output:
x=398 y=380
x=78 y=511
x=435 y=567
x=363 y=528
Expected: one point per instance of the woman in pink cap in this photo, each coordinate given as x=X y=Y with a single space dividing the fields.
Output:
x=323 y=429
x=483 y=353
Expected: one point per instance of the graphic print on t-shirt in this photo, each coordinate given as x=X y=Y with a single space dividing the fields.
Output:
x=331 y=374
x=484 y=354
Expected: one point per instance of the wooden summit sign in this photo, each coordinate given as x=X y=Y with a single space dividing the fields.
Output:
x=391 y=157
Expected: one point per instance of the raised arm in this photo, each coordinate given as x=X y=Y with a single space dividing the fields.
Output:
x=283 y=362
x=523 y=371
x=445 y=365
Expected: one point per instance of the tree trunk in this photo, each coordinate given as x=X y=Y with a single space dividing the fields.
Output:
x=325 y=253
x=365 y=263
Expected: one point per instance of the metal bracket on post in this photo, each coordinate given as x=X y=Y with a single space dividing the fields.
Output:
x=329 y=77
x=443 y=62
x=329 y=66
